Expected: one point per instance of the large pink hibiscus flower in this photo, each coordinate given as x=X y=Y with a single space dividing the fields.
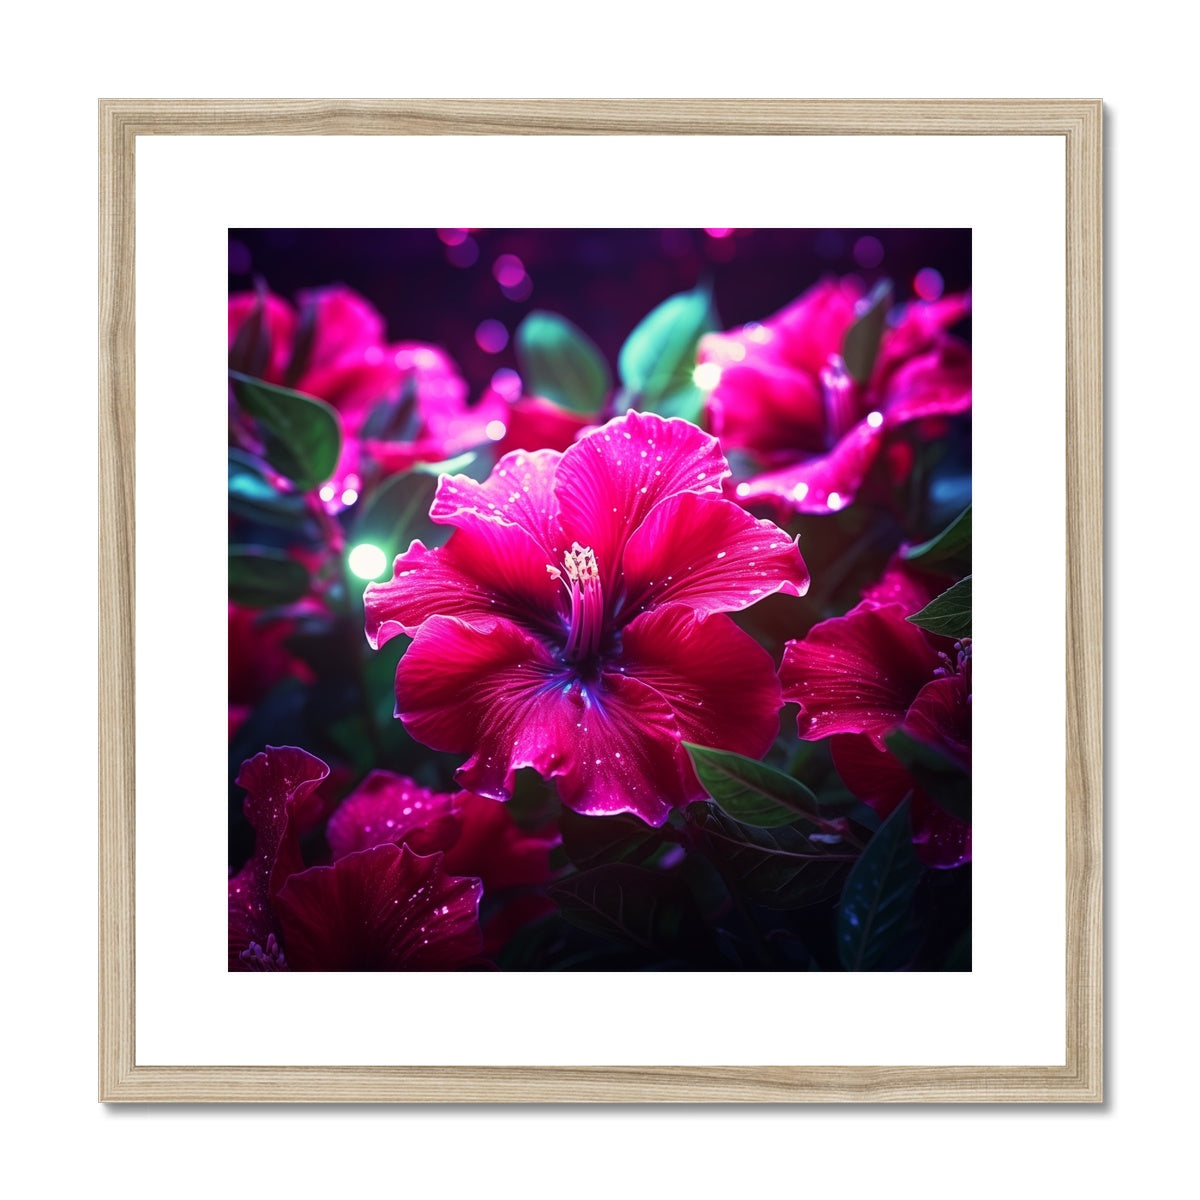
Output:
x=574 y=624
x=783 y=395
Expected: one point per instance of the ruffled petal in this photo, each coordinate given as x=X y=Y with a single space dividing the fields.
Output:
x=877 y=778
x=824 y=483
x=719 y=682
x=281 y=798
x=494 y=689
x=904 y=586
x=479 y=574
x=710 y=555
x=280 y=327
x=343 y=323
x=771 y=408
x=281 y=785
x=518 y=492
x=423 y=582
x=611 y=478
x=389 y=808
x=492 y=846
x=814 y=326
x=941 y=716
x=934 y=384
x=857 y=674
x=382 y=909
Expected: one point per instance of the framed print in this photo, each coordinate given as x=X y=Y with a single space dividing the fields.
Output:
x=598 y=569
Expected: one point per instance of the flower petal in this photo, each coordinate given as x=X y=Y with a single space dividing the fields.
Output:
x=495 y=848
x=389 y=808
x=281 y=785
x=822 y=484
x=768 y=407
x=904 y=586
x=382 y=909
x=480 y=573
x=279 y=325
x=343 y=322
x=281 y=797
x=877 y=778
x=519 y=491
x=858 y=673
x=720 y=683
x=612 y=477
x=934 y=384
x=941 y=716
x=494 y=689
x=709 y=554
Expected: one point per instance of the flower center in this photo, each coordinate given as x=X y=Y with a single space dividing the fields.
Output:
x=260 y=958
x=960 y=664
x=841 y=404
x=581 y=577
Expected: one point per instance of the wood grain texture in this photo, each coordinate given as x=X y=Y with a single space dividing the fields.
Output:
x=1078 y=122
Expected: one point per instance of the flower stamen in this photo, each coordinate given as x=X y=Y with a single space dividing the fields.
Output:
x=580 y=575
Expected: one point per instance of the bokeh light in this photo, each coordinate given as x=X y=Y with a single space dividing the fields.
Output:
x=868 y=252
x=464 y=253
x=367 y=561
x=929 y=284
x=491 y=336
x=506 y=383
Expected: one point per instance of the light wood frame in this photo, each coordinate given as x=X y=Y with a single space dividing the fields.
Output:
x=1078 y=122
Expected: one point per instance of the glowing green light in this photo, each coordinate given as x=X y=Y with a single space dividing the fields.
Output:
x=367 y=561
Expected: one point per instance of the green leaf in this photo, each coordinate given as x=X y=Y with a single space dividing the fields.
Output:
x=658 y=358
x=877 y=900
x=254 y=497
x=948 y=785
x=397 y=512
x=396 y=420
x=861 y=345
x=590 y=841
x=752 y=792
x=777 y=868
x=460 y=464
x=263 y=578
x=950 y=613
x=301 y=435
x=952 y=545
x=559 y=362
x=647 y=908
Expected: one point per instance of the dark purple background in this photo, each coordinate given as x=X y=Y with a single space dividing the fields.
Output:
x=605 y=280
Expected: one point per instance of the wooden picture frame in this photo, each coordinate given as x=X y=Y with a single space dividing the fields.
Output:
x=1078 y=123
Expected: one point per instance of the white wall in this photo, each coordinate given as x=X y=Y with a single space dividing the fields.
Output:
x=62 y=1139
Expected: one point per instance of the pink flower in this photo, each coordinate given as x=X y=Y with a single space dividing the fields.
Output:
x=574 y=622
x=783 y=394
x=334 y=348
x=381 y=908
x=860 y=677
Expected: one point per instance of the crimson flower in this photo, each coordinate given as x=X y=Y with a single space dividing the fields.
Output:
x=782 y=394
x=334 y=347
x=574 y=621
x=381 y=908
x=860 y=677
